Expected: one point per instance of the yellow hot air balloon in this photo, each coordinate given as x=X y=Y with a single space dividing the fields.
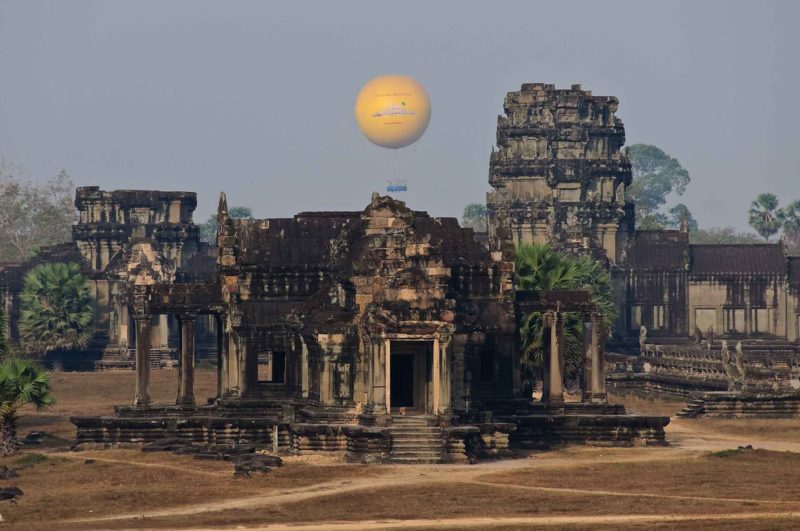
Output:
x=393 y=111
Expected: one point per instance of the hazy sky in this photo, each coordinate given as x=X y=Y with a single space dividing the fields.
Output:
x=256 y=98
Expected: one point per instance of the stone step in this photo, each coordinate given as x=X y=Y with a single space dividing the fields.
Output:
x=417 y=455
x=412 y=420
x=407 y=443
x=416 y=460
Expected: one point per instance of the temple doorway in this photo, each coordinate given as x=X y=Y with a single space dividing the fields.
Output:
x=411 y=363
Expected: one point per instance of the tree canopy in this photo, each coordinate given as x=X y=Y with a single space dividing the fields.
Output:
x=57 y=309
x=208 y=230
x=764 y=215
x=22 y=382
x=34 y=215
x=790 y=219
x=540 y=268
x=722 y=235
x=474 y=217
x=656 y=175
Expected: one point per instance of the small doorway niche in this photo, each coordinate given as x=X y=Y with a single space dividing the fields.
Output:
x=411 y=376
x=271 y=367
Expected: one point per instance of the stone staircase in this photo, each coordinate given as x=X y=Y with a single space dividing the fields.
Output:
x=415 y=441
x=693 y=409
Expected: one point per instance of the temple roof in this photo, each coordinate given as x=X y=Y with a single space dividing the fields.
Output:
x=302 y=240
x=665 y=250
x=767 y=258
x=658 y=250
x=311 y=238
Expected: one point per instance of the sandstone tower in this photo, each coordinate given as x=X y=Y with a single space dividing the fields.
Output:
x=560 y=174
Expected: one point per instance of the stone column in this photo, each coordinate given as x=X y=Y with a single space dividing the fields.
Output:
x=304 y=376
x=244 y=380
x=186 y=361
x=387 y=355
x=556 y=387
x=437 y=377
x=547 y=324
x=222 y=357
x=446 y=394
x=598 y=393
x=588 y=358
x=142 y=397
x=163 y=329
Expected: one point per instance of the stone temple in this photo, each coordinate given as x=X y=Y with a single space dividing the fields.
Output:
x=559 y=177
x=387 y=334
x=122 y=238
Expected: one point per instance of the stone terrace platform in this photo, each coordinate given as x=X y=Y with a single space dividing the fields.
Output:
x=743 y=405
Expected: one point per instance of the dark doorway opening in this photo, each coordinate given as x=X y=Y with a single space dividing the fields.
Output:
x=402 y=380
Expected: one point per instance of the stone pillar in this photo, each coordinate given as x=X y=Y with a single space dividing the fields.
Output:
x=446 y=394
x=555 y=393
x=142 y=397
x=598 y=393
x=588 y=358
x=304 y=376
x=222 y=357
x=163 y=329
x=244 y=380
x=233 y=362
x=186 y=361
x=387 y=351
x=547 y=324
x=437 y=377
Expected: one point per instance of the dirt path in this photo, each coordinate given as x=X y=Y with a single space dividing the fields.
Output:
x=405 y=475
x=83 y=456
x=402 y=475
x=593 y=492
x=687 y=441
x=682 y=434
x=529 y=521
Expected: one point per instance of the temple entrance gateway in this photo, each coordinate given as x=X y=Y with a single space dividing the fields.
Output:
x=411 y=376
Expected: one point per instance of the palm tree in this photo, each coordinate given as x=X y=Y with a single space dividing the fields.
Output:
x=22 y=382
x=541 y=268
x=764 y=215
x=790 y=217
x=57 y=308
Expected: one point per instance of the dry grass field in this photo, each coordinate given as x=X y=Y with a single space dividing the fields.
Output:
x=700 y=481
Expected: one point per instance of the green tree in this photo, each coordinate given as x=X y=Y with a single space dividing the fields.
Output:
x=208 y=230
x=680 y=213
x=764 y=215
x=34 y=215
x=22 y=382
x=57 y=309
x=656 y=175
x=541 y=268
x=722 y=235
x=790 y=220
x=474 y=217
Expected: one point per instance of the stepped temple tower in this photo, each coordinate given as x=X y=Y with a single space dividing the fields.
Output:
x=560 y=174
